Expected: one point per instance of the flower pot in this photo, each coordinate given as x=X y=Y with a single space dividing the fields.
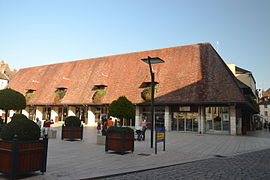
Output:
x=72 y=133
x=119 y=142
x=20 y=157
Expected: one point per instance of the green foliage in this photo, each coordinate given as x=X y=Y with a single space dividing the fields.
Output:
x=122 y=108
x=146 y=93
x=72 y=121
x=1 y=121
x=97 y=97
x=119 y=130
x=11 y=99
x=1 y=127
x=29 y=96
x=20 y=128
x=59 y=95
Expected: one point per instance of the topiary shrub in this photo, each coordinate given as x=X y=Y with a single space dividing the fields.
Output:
x=72 y=121
x=11 y=100
x=1 y=121
x=119 y=130
x=20 y=128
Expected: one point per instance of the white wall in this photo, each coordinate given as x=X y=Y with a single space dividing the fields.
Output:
x=233 y=120
x=91 y=117
x=3 y=83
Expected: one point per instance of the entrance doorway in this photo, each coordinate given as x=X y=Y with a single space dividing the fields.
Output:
x=185 y=121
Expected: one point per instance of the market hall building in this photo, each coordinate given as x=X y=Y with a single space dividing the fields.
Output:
x=195 y=91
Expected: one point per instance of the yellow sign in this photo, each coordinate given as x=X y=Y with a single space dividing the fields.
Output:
x=160 y=136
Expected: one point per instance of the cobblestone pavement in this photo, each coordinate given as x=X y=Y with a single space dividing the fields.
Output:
x=249 y=166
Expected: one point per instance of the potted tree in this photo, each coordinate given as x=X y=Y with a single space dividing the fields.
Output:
x=122 y=108
x=11 y=100
x=120 y=139
x=21 y=149
x=72 y=129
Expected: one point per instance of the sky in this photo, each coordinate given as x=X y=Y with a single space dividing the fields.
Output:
x=36 y=32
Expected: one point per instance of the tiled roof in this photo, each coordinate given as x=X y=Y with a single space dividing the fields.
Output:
x=192 y=73
x=3 y=76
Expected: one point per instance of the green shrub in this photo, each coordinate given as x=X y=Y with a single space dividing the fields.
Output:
x=1 y=127
x=18 y=117
x=120 y=130
x=1 y=121
x=72 y=121
x=20 y=128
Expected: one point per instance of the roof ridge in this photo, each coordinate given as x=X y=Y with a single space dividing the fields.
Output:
x=204 y=43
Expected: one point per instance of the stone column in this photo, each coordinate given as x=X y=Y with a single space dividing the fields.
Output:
x=24 y=112
x=233 y=120
x=167 y=119
x=137 y=116
x=53 y=113
x=39 y=112
x=71 y=111
x=91 y=117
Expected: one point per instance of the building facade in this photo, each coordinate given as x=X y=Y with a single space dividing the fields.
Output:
x=195 y=90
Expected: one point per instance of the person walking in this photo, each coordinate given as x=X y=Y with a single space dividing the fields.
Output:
x=46 y=127
x=38 y=122
x=144 y=127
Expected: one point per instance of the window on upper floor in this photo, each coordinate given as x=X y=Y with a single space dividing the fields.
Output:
x=265 y=106
x=265 y=113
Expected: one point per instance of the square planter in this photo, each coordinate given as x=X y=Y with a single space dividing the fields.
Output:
x=72 y=133
x=101 y=140
x=119 y=142
x=20 y=157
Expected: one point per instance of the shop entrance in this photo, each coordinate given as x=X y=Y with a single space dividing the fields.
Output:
x=185 y=121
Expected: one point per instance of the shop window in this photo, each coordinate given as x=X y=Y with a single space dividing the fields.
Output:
x=217 y=119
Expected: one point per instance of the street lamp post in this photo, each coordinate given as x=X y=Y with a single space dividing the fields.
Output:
x=151 y=61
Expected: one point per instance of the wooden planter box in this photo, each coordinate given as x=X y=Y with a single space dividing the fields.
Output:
x=72 y=133
x=119 y=142
x=20 y=157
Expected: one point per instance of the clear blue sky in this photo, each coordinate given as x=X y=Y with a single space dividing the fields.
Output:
x=35 y=32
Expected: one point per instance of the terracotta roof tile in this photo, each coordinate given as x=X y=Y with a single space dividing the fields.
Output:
x=192 y=73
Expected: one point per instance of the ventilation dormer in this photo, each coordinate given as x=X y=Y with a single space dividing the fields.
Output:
x=100 y=92
x=59 y=94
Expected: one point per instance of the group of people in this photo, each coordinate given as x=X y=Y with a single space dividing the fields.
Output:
x=103 y=125
x=46 y=126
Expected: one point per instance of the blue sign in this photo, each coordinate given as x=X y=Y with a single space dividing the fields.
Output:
x=160 y=134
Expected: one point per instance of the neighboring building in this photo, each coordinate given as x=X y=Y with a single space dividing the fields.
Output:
x=3 y=81
x=195 y=90
x=264 y=105
x=248 y=85
x=5 y=75
x=245 y=77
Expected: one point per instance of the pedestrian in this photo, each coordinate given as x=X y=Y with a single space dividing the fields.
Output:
x=104 y=128
x=46 y=127
x=144 y=127
x=110 y=122
x=38 y=122
x=265 y=125
x=98 y=127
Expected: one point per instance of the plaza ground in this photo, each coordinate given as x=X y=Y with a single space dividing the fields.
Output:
x=69 y=160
